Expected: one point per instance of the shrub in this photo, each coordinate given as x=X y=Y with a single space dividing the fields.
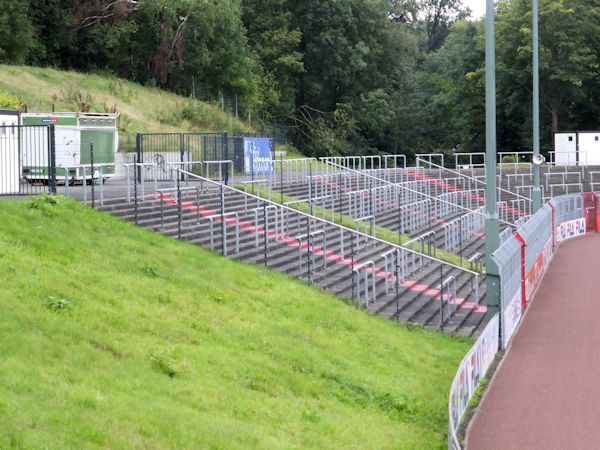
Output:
x=71 y=95
x=8 y=101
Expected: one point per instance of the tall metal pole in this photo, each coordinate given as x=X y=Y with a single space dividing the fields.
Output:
x=536 y=196
x=492 y=226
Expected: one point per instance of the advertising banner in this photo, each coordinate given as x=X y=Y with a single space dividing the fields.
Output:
x=257 y=156
x=570 y=229
x=472 y=370
x=538 y=269
x=511 y=316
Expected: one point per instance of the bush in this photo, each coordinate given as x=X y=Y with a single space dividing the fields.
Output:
x=8 y=101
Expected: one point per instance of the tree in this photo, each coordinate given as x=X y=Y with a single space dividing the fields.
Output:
x=456 y=79
x=17 y=37
x=568 y=56
x=276 y=44
x=438 y=17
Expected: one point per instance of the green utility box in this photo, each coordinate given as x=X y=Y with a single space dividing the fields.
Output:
x=73 y=135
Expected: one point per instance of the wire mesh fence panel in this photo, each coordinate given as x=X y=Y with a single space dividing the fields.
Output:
x=567 y=208
x=524 y=257
x=10 y=161
x=537 y=233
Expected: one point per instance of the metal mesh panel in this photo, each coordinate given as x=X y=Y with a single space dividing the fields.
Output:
x=508 y=258
x=536 y=232
x=567 y=207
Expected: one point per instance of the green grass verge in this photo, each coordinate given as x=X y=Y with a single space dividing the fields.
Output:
x=380 y=232
x=142 y=108
x=115 y=337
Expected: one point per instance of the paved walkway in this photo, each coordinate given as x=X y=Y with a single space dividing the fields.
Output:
x=546 y=394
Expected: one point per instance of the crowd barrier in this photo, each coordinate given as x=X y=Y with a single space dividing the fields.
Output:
x=522 y=259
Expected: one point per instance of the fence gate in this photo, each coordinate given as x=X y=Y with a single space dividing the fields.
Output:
x=27 y=159
x=169 y=150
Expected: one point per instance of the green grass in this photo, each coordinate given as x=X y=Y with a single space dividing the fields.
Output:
x=382 y=233
x=142 y=108
x=115 y=337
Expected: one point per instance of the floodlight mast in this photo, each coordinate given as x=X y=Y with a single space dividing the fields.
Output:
x=492 y=226
x=536 y=195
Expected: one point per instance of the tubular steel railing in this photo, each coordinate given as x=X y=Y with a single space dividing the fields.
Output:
x=312 y=238
x=372 y=176
x=477 y=181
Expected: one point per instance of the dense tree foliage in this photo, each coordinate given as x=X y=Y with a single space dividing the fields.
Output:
x=341 y=77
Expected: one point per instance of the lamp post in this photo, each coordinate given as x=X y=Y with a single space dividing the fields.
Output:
x=536 y=196
x=492 y=226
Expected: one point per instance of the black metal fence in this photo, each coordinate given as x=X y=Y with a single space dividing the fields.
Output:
x=27 y=160
x=207 y=154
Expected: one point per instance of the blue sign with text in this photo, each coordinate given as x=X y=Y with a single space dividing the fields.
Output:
x=257 y=156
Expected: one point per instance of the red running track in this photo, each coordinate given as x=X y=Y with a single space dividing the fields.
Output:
x=546 y=393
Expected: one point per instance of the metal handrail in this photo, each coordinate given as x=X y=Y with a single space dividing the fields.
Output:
x=457 y=157
x=139 y=165
x=401 y=157
x=208 y=164
x=224 y=237
x=427 y=196
x=356 y=271
x=476 y=180
x=310 y=249
x=295 y=211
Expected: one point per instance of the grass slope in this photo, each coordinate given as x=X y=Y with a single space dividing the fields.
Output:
x=142 y=108
x=112 y=336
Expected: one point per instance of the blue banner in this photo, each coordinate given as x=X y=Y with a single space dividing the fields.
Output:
x=257 y=156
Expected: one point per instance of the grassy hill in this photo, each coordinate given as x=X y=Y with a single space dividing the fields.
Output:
x=142 y=108
x=112 y=336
